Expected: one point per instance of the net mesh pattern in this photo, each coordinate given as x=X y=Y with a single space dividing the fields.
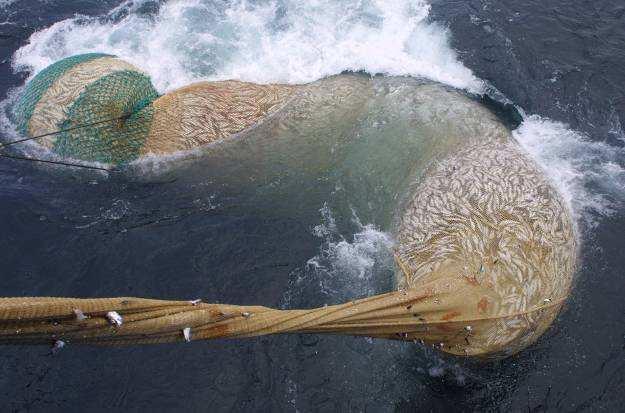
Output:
x=126 y=97
x=35 y=89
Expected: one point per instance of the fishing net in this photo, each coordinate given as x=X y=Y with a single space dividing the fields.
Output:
x=488 y=223
x=485 y=247
x=35 y=89
x=91 y=107
x=206 y=112
x=96 y=107
x=124 y=97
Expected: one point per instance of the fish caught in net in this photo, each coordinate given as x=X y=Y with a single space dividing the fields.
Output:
x=485 y=247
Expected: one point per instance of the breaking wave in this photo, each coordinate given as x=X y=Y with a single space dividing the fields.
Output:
x=289 y=41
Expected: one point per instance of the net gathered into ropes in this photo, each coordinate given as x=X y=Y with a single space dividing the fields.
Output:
x=485 y=249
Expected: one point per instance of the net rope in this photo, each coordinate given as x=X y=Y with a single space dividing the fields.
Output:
x=44 y=320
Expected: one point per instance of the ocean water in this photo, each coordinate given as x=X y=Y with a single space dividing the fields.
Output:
x=77 y=233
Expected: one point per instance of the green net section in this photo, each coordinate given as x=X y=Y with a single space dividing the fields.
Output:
x=124 y=96
x=35 y=89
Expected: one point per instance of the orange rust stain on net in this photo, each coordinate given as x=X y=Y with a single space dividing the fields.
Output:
x=471 y=280
x=214 y=313
x=482 y=305
x=450 y=315
x=219 y=330
x=446 y=328
x=428 y=292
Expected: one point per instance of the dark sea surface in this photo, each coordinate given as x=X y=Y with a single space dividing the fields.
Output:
x=79 y=233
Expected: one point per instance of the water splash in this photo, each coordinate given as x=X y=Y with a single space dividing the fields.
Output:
x=263 y=41
x=345 y=267
x=589 y=174
x=355 y=258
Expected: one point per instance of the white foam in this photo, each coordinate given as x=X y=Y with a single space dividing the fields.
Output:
x=351 y=262
x=589 y=174
x=272 y=41
x=358 y=256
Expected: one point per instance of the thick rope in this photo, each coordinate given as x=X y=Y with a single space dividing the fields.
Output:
x=401 y=315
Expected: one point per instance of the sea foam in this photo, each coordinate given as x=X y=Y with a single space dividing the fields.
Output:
x=589 y=174
x=287 y=41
